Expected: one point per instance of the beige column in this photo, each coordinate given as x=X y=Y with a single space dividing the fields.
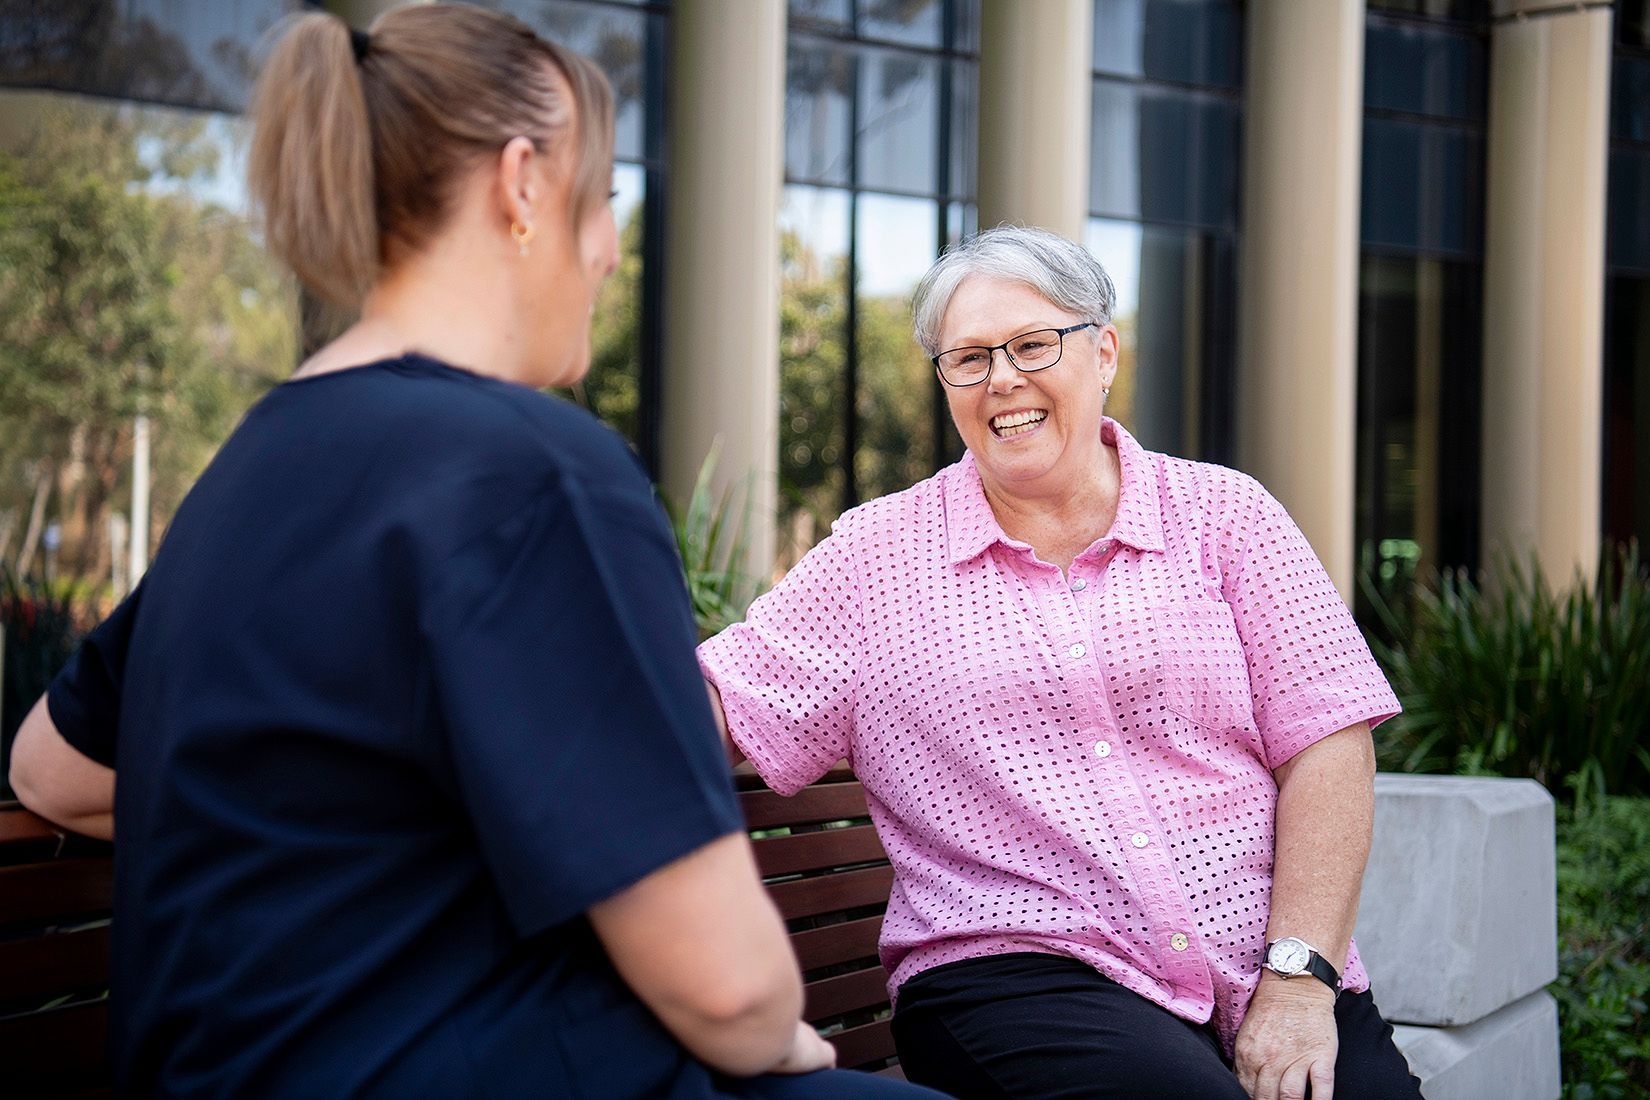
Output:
x=1036 y=97
x=1297 y=388
x=1544 y=283
x=721 y=286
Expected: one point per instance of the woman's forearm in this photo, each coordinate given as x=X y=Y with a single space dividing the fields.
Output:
x=1325 y=817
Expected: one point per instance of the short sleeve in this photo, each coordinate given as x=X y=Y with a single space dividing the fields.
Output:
x=84 y=698
x=788 y=675
x=561 y=658
x=1310 y=669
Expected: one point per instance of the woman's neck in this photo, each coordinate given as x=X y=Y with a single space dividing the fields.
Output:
x=1062 y=522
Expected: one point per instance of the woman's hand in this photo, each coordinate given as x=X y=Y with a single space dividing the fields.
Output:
x=808 y=1052
x=1288 y=1039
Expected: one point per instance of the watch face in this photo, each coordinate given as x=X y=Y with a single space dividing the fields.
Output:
x=1289 y=956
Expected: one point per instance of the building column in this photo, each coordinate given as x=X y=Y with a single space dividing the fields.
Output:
x=1544 y=283
x=1036 y=98
x=1298 y=372
x=720 y=387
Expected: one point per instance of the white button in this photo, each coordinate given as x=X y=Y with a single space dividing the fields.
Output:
x=1102 y=749
x=1140 y=840
x=1178 y=941
x=1078 y=650
x=1079 y=584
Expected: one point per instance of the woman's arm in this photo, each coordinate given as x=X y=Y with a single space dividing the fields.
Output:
x=58 y=782
x=1325 y=818
x=736 y=757
x=702 y=945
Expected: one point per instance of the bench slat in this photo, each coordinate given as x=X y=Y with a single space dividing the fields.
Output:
x=866 y=988
x=810 y=805
x=60 y=889
x=780 y=855
x=45 y=966
x=837 y=943
x=809 y=897
x=61 y=1049
x=866 y=1043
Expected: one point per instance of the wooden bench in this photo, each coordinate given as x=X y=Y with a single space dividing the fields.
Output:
x=818 y=853
x=55 y=896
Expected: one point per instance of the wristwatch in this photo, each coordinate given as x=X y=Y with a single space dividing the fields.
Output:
x=1291 y=957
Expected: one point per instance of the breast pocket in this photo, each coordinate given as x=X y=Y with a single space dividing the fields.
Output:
x=1206 y=679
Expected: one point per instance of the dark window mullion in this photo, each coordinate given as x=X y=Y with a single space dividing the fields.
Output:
x=850 y=446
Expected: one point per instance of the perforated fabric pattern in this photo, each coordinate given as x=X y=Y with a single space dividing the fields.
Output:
x=1075 y=763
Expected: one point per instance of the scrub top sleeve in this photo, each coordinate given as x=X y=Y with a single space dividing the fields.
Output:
x=1310 y=670
x=84 y=698
x=561 y=648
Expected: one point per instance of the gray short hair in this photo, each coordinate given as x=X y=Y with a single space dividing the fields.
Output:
x=1063 y=272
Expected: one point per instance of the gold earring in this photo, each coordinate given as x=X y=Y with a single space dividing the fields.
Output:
x=522 y=234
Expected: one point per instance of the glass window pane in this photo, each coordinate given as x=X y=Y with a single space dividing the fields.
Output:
x=1627 y=409
x=191 y=53
x=965 y=128
x=612 y=389
x=1425 y=70
x=818 y=83
x=830 y=15
x=1423 y=187
x=1633 y=23
x=1175 y=324
x=1187 y=41
x=1630 y=98
x=1460 y=11
x=897 y=243
x=613 y=38
x=1629 y=215
x=1164 y=155
x=813 y=365
x=126 y=227
x=910 y=22
x=966 y=29
x=898 y=121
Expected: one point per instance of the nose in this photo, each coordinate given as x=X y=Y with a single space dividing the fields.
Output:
x=1004 y=376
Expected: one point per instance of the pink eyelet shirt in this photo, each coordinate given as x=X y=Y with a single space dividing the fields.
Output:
x=1076 y=764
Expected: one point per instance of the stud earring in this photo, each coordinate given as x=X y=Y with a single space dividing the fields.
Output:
x=523 y=234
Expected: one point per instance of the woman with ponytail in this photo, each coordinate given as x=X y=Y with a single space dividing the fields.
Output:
x=419 y=793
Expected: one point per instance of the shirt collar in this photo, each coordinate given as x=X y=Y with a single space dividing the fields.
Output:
x=971 y=527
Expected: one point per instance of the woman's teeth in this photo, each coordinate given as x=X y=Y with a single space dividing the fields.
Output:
x=1008 y=425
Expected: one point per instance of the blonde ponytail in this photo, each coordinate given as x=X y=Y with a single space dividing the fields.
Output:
x=310 y=165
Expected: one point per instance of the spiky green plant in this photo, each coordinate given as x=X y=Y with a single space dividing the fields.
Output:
x=1511 y=678
x=713 y=539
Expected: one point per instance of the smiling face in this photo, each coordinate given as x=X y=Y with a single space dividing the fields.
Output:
x=1030 y=434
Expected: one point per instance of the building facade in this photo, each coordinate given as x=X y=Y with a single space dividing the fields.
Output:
x=1390 y=256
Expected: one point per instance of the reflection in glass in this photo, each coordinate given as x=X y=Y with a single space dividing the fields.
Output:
x=909 y=22
x=131 y=284
x=613 y=38
x=1186 y=41
x=1423 y=187
x=833 y=15
x=1419 y=355
x=818 y=86
x=1425 y=70
x=898 y=120
x=965 y=128
x=1460 y=11
x=1164 y=155
x=612 y=389
x=1630 y=98
x=813 y=364
x=1629 y=214
x=1175 y=326
x=188 y=53
x=897 y=243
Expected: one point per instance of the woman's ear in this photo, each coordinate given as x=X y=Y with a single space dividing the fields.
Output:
x=518 y=181
x=1106 y=352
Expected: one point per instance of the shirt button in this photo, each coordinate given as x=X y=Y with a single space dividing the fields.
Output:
x=1178 y=941
x=1140 y=840
x=1079 y=584
x=1102 y=749
x=1078 y=650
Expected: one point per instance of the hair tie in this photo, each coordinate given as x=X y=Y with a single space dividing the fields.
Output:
x=360 y=41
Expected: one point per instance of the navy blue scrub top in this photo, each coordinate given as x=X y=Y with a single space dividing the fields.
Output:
x=409 y=687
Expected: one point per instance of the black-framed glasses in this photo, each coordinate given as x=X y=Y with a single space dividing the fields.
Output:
x=1031 y=351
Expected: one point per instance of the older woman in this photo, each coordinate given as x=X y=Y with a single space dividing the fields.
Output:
x=1112 y=720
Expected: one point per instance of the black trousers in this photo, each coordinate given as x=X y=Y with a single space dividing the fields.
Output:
x=1033 y=1026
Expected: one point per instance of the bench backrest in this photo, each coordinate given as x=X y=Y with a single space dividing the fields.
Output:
x=55 y=896
x=829 y=875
